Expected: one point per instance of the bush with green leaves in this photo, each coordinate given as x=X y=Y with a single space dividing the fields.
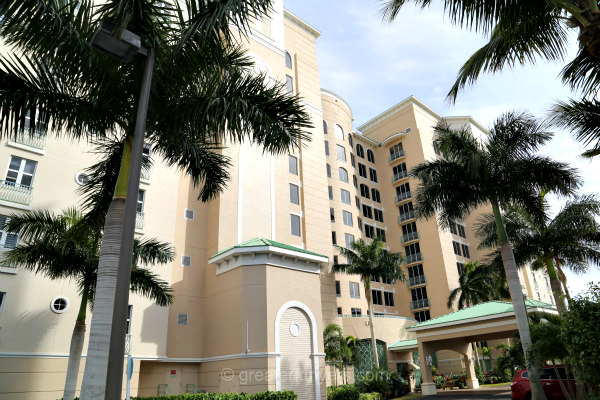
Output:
x=376 y=380
x=371 y=396
x=343 y=392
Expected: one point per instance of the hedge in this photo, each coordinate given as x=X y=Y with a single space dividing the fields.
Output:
x=370 y=396
x=282 y=395
x=343 y=392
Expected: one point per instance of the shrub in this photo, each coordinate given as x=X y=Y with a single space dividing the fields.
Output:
x=377 y=380
x=282 y=395
x=371 y=396
x=343 y=392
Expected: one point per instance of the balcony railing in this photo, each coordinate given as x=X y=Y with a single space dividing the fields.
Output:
x=128 y=343
x=414 y=258
x=15 y=192
x=417 y=280
x=37 y=139
x=403 y=196
x=139 y=220
x=396 y=155
x=415 y=305
x=410 y=236
x=145 y=174
x=399 y=175
x=406 y=216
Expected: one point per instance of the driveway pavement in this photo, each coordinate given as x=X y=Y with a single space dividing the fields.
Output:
x=485 y=393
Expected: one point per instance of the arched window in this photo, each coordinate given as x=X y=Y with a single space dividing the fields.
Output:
x=343 y=175
x=350 y=140
x=370 y=156
x=324 y=127
x=288 y=60
x=360 y=151
x=339 y=132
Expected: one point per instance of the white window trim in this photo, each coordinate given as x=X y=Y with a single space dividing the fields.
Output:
x=59 y=311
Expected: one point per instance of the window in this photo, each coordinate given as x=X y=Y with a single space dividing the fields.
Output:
x=409 y=228
x=373 y=175
x=349 y=240
x=328 y=170
x=400 y=171
x=59 y=304
x=324 y=127
x=332 y=214
x=453 y=229
x=2 y=298
x=381 y=233
x=396 y=149
x=465 y=251
x=456 y=246
x=339 y=132
x=341 y=153
x=355 y=181
x=402 y=189
x=436 y=148
x=334 y=238
x=186 y=261
x=360 y=151
x=294 y=194
x=288 y=60
x=375 y=279
x=326 y=148
x=182 y=319
x=369 y=231
x=350 y=141
x=40 y=121
x=352 y=160
x=343 y=174
x=293 y=165
x=289 y=84
x=388 y=298
x=377 y=297
x=20 y=171
x=188 y=214
x=386 y=281
x=295 y=224
x=370 y=156
x=415 y=271
x=406 y=208
x=412 y=249
x=364 y=190
x=330 y=193
x=360 y=225
x=419 y=293
x=335 y=259
x=357 y=202
x=367 y=211
x=347 y=218
x=140 y=201
x=339 y=310
x=378 y=215
x=362 y=170
x=338 y=289
x=354 y=290
x=128 y=321
x=8 y=240
x=356 y=312
x=422 y=316
x=345 y=196
x=146 y=152
x=376 y=195
x=461 y=231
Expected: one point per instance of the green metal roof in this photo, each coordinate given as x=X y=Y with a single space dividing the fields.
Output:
x=260 y=242
x=481 y=310
x=400 y=344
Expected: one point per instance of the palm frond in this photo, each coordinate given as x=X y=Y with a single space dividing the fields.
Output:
x=152 y=251
x=583 y=74
x=582 y=117
x=148 y=284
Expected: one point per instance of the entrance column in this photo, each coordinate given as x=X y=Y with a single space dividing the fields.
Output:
x=427 y=384
x=472 y=381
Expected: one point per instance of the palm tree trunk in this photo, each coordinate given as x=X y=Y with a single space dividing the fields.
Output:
x=477 y=357
x=370 y=306
x=75 y=351
x=563 y=279
x=516 y=294
x=556 y=287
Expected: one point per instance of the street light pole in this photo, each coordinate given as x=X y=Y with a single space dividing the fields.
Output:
x=114 y=379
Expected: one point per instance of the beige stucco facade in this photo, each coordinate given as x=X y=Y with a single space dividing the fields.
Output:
x=240 y=319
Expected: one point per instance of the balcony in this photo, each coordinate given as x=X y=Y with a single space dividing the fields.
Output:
x=396 y=155
x=36 y=139
x=139 y=221
x=406 y=216
x=400 y=175
x=415 y=305
x=413 y=258
x=410 y=236
x=417 y=280
x=403 y=196
x=15 y=192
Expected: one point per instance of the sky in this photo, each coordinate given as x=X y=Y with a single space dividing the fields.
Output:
x=374 y=65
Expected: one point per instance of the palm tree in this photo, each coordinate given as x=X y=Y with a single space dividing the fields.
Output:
x=369 y=260
x=476 y=284
x=524 y=31
x=501 y=171
x=570 y=239
x=54 y=248
x=333 y=342
x=349 y=357
x=202 y=96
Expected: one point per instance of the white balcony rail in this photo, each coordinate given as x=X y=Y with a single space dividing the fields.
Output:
x=403 y=196
x=128 y=343
x=15 y=192
x=406 y=216
x=415 y=305
x=399 y=175
x=417 y=280
x=35 y=139
x=396 y=155
x=139 y=220
x=414 y=258
x=410 y=236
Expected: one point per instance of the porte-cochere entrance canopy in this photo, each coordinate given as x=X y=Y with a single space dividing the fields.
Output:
x=455 y=331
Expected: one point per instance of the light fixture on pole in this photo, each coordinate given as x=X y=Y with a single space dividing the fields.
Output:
x=124 y=47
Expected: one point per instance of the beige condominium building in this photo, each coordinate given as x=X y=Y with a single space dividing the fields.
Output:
x=251 y=277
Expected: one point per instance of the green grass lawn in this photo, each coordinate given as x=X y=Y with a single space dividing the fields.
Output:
x=409 y=397
x=496 y=384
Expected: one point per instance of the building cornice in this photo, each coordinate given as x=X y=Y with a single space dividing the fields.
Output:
x=301 y=23
x=411 y=100
x=470 y=119
x=329 y=93
x=360 y=136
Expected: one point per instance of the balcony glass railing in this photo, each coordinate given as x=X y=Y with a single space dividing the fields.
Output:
x=35 y=139
x=396 y=155
x=415 y=305
x=15 y=192
x=403 y=196
x=406 y=216
x=139 y=220
x=414 y=258
x=417 y=280
x=410 y=236
x=399 y=175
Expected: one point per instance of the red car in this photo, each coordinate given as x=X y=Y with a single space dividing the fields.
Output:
x=522 y=391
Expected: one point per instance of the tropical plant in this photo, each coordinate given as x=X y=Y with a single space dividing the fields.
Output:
x=569 y=239
x=370 y=260
x=343 y=392
x=203 y=95
x=333 y=342
x=502 y=170
x=476 y=284
x=57 y=246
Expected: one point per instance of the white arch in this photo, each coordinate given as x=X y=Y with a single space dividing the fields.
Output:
x=261 y=64
x=315 y=355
